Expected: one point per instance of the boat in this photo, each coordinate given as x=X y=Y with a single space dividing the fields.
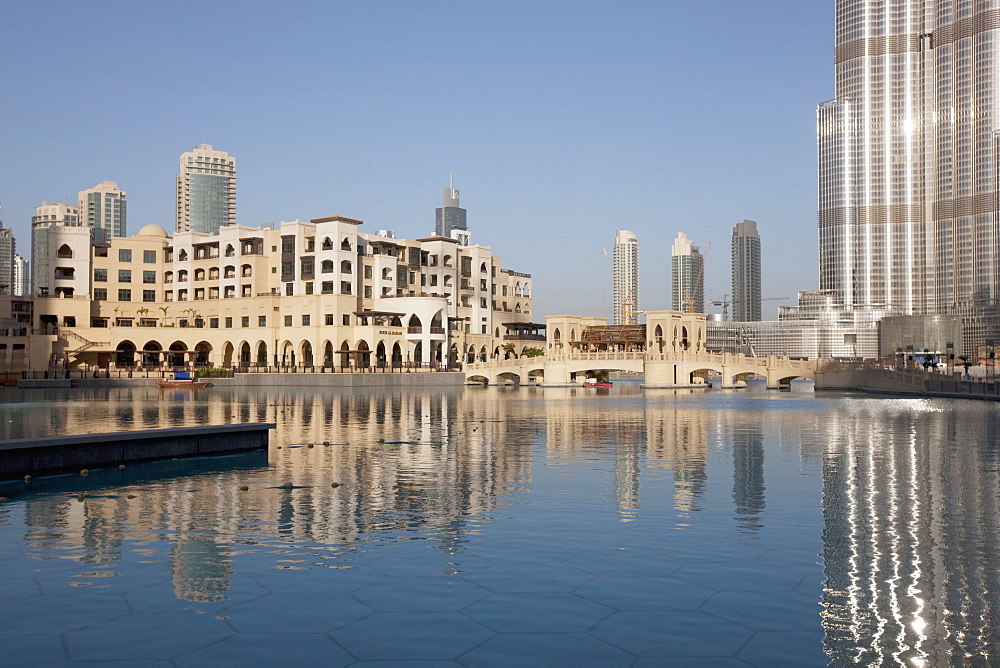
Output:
x=595 y=383
x=184 y=379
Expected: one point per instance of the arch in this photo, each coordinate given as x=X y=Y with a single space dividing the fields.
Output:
x=246 y=271
x=227 y=355
x=364 y=354
x=380 y=355
x=684 y=342
x=262 y=354
x=386 y=274
x=306 y=349
x=230 y=251
x=202 y=353
x=326 y=266
x=345 y=244
x=447 y=280
x=483 y=269
x=213 y=273
x=168 y=277
x=229 y=271
x=414 y=324
x=64 y=251
x=482 y=354
x=287 y=353
x=244 y=354
x=447 y=260
x=418 y=353
x=176 y=356
x=328 y=354
x=517 y=307
x=497 y=353
x=496 y=333
x=151 y=359
x=453 y=355
x=397 y=355
x=125 y=354
x=517 y=289
x=327 y=243
x=199 y=274
x=470 y=355
x=182 y=276
x=437 y=322
x=182 y=255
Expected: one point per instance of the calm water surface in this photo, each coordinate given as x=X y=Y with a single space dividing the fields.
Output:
x=493 y=526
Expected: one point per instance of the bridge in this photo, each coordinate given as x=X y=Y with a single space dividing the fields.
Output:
x=669 y=350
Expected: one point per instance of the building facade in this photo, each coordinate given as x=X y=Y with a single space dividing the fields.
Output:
x=7 y=247
x=206 y=190
x=55 y=225
x=22 y=277
x=450 y=218
x=908 y=157
x=103 y=210
x=687 y=272
x=316 y=293
x=626 y=275
x=746 y=272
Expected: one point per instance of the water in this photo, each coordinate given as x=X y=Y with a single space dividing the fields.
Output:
x=492 y=526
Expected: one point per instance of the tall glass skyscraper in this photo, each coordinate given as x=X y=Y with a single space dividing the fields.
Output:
x=626 y=270
x=103 y=210
x=687 y=273
x=206 y=190
x=908 y=155
x=746 y=272
x=450 y=217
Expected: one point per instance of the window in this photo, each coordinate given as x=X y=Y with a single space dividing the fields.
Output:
x=124 y=275
x=329 y=319
x=305 y=320
x=309 y=287
x=262 y=321
x=368 y=292
x=289 y=289
x=326 y=266
x=287 y=245
x=100 y=275
x=149 y=295
x=345 y=267
x=100 y=294
x=308 y=266
x=347 y=319
x=124 y=295
x=327 y=287
x=368 y=271
x=149 y=277
x=213 y=323
x=245 y=321
x=124 y=254
x=287 y=268
x=149 y=256
x=288 y=321
x=229 y=323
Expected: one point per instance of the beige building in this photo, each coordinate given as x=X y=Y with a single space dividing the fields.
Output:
x=103 y=210
x=315 y=294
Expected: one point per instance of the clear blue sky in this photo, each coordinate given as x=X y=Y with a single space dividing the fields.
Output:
x=561 y=121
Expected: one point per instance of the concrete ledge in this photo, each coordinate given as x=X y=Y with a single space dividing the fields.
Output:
x=56 y=454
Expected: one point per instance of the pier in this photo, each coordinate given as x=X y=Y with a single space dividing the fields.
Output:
x=59 y=454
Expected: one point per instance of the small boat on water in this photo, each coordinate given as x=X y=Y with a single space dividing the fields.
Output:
x=184 y=379
x=595 y=383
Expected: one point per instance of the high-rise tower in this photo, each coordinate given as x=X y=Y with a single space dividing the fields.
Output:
x=746 y=272
x=206 y=190
x=626 y=270
x=688 y=270
x=908 y=156
x=450 y=216
x=102 y=209
x=7 y=245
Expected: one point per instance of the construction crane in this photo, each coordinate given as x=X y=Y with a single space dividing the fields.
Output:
x=725 y=302
x=690 y=294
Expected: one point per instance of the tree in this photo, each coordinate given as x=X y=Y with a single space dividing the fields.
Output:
x=533 y=352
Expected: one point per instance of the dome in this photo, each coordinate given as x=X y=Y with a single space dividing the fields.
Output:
x=151 y=231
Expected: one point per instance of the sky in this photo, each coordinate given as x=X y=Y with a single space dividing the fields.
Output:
x=561 y=122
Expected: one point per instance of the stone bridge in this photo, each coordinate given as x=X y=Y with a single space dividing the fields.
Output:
x=683 y=369
x=669 y=350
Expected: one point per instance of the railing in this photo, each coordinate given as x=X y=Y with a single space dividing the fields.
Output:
x=524 y=337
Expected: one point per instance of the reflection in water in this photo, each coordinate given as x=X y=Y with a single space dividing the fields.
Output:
x=911 y=537
x=909 y=517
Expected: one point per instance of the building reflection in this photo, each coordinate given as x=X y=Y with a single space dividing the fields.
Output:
x=433 y=465
x=910 y=508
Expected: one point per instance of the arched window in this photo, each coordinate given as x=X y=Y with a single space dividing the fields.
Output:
x=483 y=269
x=229 y=272
x=230 y=251
x=246 y=271
x=199 y=274
x=182 y=276
x=182 y=255
x=327 y=244
x=65 y=251
x=327 y=266
x=213 y=274
x=345 y=244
